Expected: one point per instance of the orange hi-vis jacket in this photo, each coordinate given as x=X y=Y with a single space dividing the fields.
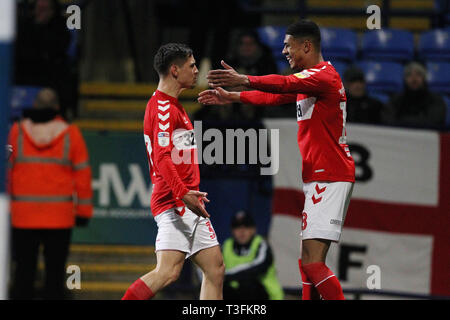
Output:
x=49 y=184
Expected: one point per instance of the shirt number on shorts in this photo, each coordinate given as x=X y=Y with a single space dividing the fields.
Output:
x=304 y=223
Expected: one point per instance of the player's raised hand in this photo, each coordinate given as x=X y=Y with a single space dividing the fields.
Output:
x=227 y=77
x=217 y=96
x=192 y=201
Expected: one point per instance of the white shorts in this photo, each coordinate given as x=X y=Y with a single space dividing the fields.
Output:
x=187 y=233
x=325 y=208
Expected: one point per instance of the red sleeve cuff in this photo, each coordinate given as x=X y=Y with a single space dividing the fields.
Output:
x=181 y=193
x=252 y=79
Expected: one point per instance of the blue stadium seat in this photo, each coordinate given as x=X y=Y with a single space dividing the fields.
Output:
x=338 y=43
x=340 y=67
x=273 y=36
x=384 y=77
x=435 y=45
x=22 y=98
x=388 y=44
x=438 y=74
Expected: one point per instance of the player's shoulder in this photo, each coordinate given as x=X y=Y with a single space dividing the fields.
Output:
x=160 y=104
x=324 y=70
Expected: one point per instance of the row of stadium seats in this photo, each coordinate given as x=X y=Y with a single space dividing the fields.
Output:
x=380 y=45
x=387 y=76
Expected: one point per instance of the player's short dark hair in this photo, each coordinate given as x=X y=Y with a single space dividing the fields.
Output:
x=169 y=54
x=305 y=29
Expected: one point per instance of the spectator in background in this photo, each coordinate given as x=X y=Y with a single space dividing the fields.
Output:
x=360 y=107
x=249 y=56
x=49 y=181
x=416 y=106
x=249 y=267
x=41 y=48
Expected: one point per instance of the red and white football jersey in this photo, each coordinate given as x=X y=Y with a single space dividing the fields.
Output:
x=171 y=151
x=321 y=113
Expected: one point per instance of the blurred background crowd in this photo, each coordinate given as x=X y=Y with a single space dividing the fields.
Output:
x=394 y=76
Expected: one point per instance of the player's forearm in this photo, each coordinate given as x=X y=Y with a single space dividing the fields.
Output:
x=171 y=177
x=273 y=83
x=259 y=98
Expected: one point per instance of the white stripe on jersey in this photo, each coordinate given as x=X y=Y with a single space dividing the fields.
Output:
x=164 y=117
x=164 y=127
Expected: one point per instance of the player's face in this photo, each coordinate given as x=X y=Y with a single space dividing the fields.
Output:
x=188 y=74
x=294 y=50
x=243 y=234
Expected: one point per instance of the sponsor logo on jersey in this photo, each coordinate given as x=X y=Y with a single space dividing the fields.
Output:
x=163 y=139
x=305 y=108
x=184 y=139
x=302 y=75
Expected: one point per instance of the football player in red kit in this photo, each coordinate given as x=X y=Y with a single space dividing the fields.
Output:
x=328 y=169
x=184 y=228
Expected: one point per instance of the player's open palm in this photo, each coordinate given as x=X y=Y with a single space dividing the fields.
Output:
x=192 y=201
x=216 y=96
x=227 y=77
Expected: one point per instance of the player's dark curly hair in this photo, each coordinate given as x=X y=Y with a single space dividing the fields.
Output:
x=305 y=29
x=169 y=54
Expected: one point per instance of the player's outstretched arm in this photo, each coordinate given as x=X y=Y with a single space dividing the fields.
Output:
x=307 y=81
x=192 y=201
x=220 y=96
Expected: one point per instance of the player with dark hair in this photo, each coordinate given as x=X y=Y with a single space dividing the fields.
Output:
x=184 y=228
x=328 y=170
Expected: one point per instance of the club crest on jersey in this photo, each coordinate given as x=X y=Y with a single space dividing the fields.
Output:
x=163 y=139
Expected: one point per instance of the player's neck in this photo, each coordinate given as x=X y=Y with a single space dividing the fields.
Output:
x=314 y=61
x=171 y=88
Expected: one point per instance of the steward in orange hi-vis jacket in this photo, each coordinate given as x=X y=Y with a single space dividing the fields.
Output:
x=50 y=178
x=49 y=182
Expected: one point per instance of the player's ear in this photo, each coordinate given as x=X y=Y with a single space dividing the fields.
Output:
x=307 y=46
x=174 y=70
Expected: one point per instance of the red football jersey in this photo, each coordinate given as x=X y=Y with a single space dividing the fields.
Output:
x=321 y=113
x=171 y=150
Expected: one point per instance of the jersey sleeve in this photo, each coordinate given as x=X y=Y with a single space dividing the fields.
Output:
x=260 y=98
x=308 y=81
x=164 y=123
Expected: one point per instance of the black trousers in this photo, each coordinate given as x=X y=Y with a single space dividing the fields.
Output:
x=25 y=251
